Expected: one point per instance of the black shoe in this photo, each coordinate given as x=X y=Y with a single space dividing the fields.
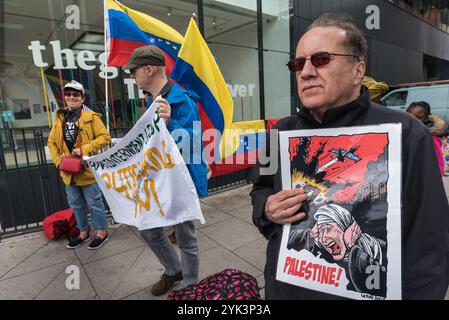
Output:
x=97 y=243
x=76 y=242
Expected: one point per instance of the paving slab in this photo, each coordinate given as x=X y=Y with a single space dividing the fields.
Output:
x=122 y=240
x=145 y=294
x=232 y=233
x=254 y=253
x=29 y=285
x=226 y=203
x=57 y=289
x=136 y=232
x=204 y=242
x=242 y=191
x=49 y=254
x=219 y=258
x=14 y=252
x=212 y=215
x=146 y=271
x=244 y=213
x=106 y=274
x=84 y=254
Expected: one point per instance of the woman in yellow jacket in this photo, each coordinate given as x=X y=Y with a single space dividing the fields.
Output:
x=78 y=131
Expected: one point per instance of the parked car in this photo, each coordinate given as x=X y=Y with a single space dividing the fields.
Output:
x=434 y=93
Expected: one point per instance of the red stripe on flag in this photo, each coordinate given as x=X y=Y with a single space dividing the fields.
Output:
x=248 y=160
x=121 y=50
x=169 y=62
x=206 y=123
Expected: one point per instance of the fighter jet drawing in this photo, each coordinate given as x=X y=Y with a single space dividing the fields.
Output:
x=341 y=155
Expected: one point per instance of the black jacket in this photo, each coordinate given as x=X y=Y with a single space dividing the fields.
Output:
x=425 y=209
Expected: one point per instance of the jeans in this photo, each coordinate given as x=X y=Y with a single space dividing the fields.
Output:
x=78 y=196
x=158 y=241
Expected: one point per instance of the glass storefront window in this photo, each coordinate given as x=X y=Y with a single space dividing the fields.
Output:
x=231 y=33
x=276 y=25
x=67 y=42
x=46 y=43
x=435 y=12
x=277 y=85
x=47 y=36
x=276 y=42
x=241 y=72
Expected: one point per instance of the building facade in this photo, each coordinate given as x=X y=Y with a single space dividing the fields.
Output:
x=47 y=42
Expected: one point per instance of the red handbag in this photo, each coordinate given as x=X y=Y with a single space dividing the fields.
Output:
x=72 y=165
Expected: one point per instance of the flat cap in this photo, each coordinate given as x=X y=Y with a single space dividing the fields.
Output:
x=144 y=56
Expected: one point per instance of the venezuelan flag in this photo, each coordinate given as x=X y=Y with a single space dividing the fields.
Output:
x=195 y=69
x=128 y=29
x=244 y=141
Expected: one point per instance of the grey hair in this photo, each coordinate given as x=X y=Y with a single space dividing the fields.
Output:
x=355 y=40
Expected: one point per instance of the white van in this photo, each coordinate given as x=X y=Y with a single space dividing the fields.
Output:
x=437 y=96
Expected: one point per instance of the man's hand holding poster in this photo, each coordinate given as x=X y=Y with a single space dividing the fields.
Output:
x=349 y=243
x=144 y=178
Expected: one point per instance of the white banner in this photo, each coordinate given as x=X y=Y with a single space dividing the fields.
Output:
x=144 y=178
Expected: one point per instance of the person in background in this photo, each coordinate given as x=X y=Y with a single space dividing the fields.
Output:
x=436 y=125
x=78 y=131
x=376 y=88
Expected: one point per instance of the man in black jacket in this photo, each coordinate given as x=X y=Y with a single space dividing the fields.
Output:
x=329 y=66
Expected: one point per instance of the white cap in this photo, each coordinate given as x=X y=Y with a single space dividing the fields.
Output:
x=74 y=85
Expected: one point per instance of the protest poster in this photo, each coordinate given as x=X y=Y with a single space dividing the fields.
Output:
x=445 y=152
x=349 y=243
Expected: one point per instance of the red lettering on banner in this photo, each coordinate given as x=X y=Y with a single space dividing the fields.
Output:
x=287 y=263
x=313 y=271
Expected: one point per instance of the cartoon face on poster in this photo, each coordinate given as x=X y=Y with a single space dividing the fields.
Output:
x=349 y=243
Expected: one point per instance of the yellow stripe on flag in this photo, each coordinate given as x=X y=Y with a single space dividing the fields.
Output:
x=231 y=137
x=195 y=52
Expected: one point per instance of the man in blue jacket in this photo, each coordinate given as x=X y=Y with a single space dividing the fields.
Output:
x=178 y=109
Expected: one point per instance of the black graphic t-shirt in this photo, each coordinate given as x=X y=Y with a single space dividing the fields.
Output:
x=71 y=130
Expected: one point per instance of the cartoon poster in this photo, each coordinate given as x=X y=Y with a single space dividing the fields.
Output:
x=445 y=151
x=349 y=243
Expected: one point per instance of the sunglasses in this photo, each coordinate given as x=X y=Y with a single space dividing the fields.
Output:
x=71 y=93
x=318 y=59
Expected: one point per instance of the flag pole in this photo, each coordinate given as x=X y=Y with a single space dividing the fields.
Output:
x=106 y=21
x=62 y=87
x=112 y=103
x=45 y=97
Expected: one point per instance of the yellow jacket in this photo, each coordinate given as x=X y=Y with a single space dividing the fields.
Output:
x=93 y=137
x=376 y=89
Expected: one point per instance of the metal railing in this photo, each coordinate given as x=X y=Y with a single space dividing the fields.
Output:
x=30 y=185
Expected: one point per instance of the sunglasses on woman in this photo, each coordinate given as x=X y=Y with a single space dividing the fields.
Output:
x=71 y=93
x=318 y=59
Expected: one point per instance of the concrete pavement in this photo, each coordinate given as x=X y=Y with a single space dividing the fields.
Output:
x=32 y=267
